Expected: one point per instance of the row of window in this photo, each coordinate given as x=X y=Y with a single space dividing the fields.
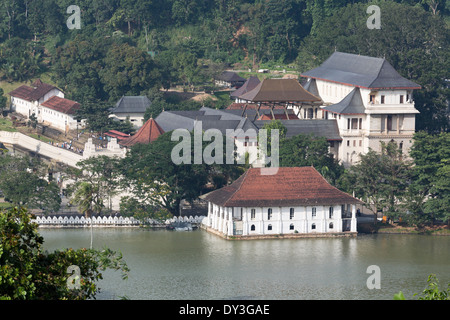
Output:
x=354 y=123
x=291 y=226
x=383 y=99
x=291 y=213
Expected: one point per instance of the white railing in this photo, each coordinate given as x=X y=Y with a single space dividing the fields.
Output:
x=106 y=221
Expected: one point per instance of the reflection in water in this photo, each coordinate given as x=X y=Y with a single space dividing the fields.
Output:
x=198 y=265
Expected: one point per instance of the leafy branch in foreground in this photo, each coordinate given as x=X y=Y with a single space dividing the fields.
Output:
x=431 y=292
x=28 y=273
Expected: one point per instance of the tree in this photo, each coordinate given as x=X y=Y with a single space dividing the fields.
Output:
x=87 y=198
x=164 y=183
x=128 y=71
x=384 y=186
x=274 y=125
x=308 y=150
x=431 y=154
x=29 y=273
x=23 y=183
x=3 y=101
x=96 y=180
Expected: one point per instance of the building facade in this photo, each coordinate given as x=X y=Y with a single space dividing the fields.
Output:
x=370 y=101
x=26 y=100
x=293 y=201
x=132 y=108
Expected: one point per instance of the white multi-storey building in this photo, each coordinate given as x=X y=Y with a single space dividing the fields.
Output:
x=47 y=103
x=371 y=102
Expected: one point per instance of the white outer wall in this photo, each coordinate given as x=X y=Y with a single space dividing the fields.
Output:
x=221 y=219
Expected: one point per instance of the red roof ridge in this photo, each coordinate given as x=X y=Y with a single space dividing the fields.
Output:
x=148 y=133
x=290 y=186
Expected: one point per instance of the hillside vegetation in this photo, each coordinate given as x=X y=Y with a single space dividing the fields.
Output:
x=127 y=47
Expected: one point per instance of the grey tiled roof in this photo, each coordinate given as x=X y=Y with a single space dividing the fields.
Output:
x=249 y=85
x=230 y=76
x=351 y=104
x=131 y=104
x=362 y=71
x=223 y=120
x=311 y=86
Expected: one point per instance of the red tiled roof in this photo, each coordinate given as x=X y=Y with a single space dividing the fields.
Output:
x=149 y=132
x=290 y=186
x=33 y=93
x=61 y=105
x=117 y=134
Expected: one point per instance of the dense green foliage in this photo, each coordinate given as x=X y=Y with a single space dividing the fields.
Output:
x=307 y=150
x=164 y=184
x=29 y=273
x=23 y=183
x=416 y=191
x=191 y=41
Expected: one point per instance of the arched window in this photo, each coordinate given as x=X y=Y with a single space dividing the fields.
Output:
x=330 y=225
x=252 y=228
x=291 y=227
x=269 y=227
x=313 y=226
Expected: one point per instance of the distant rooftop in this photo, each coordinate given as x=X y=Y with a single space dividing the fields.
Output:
x=230 y=76
x=290 y=186
x=148 y=133
x=32 y=93
x=280 y=91
x=360 y=71
x=61 y=105
x=131 y=104
x=249 y=85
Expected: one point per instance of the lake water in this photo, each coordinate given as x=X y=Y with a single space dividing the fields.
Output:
x=198 y=265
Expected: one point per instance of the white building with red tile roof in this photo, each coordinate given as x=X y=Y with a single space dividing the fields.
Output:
x=27 y=99
x=59 y=113
x=291 y=201
x=47 y=103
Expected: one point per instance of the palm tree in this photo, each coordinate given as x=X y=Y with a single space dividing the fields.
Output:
x=88 y=200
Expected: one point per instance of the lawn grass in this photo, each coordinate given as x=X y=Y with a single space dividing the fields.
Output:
x=6 y=125
x=5 y=205
x=40 y=137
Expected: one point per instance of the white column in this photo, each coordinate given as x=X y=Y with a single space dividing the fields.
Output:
x=354 y=222
x=230 y=224
x=261 y=222
x=280 y=221
x=245 y=230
